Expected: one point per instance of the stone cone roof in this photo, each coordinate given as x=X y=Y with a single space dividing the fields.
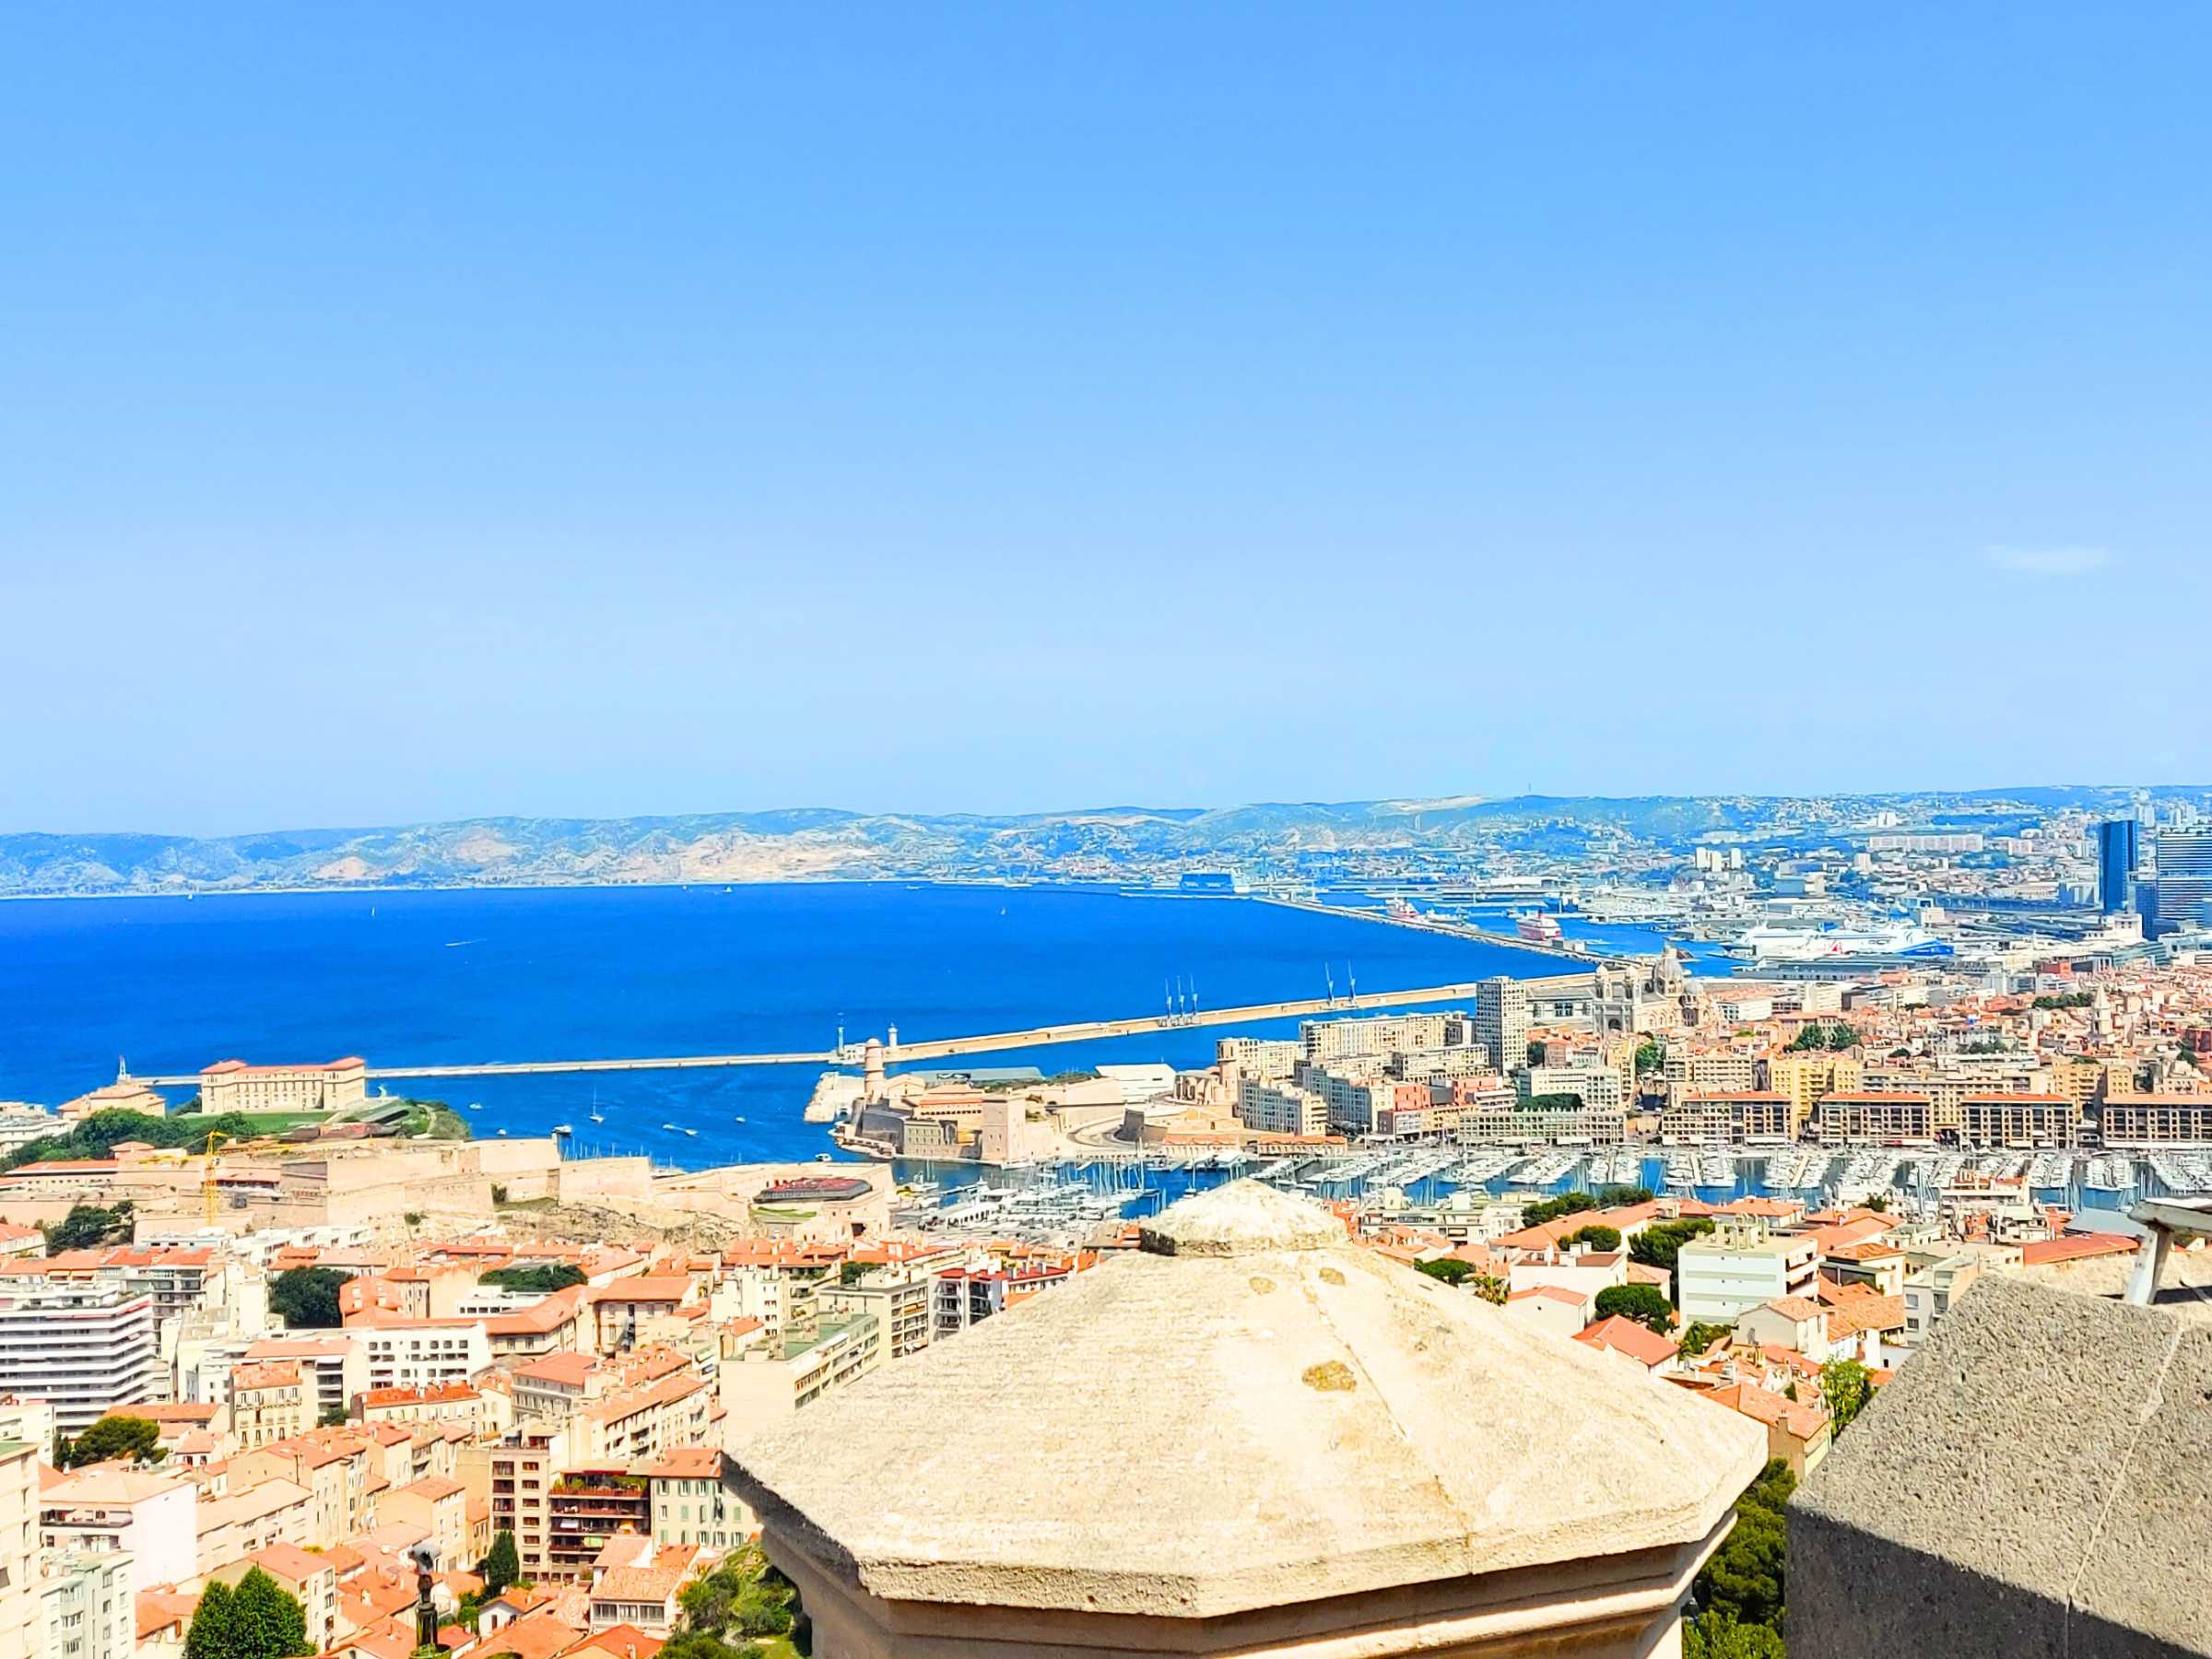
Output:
x=1249 y=1412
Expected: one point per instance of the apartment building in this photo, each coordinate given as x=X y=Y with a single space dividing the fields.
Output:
x=1722 y=1274
x=1808 y=1075
x=522 y=1471
x=151 y=1518
x=587 y=1505
x=1871 y=1118
x=2136 y=1119
x=422 y=1353
x=1501 y=1022
x=20 y=1545
x=772 y=1380
x=88 y=1609
x=1699 y=1117
x=86 y=1348
x=1280 y=1108
x=1719 y=1071
x=896 y=1297
x=695 y=1499
x=334 y=1367
x=2019 y=1121
x=270 y=1402
x=1591 y=1082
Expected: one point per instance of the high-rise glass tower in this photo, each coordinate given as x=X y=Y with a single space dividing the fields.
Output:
x=2118 y=846
x=2181 y=896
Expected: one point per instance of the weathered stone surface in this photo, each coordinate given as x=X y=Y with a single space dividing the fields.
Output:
x=2035 y=1474
x=1267 y=1416
x=1245 y=1217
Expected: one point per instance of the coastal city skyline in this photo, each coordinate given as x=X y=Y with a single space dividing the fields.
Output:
x=1259 y=831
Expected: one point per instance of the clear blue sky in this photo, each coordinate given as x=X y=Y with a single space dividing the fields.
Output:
x=414 y=411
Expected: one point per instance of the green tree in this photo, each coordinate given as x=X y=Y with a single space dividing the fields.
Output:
x=99 y=1134
x=307 y=1298
x=1451 y=1270
x=1846 y=1387
x=1842 y=1036
x=1651 y=1056
x=1598 y=1235
x=501 y=1565
x=1718 y=1636
x=265 y=1623
x=1642 y=1303
x=1536 y=1054
x=213 y=1633
x=331 y=1417
x=1660 y=1245
x=1700 y=1336
x=1621 y=1197
x=1745 y=1581
x=115 y=1435
x=744 y=1596
x=88 y=1225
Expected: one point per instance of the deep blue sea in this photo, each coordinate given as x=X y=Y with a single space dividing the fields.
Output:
x=418 y=978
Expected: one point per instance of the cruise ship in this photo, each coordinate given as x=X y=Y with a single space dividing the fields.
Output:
x=1810 y=944
x=1538 y=928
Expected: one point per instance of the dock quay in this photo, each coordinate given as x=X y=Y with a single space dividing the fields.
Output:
x=944 y=1048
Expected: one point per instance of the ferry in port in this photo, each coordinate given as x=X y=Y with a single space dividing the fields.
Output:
x=1538 y=928
x=1811 y=944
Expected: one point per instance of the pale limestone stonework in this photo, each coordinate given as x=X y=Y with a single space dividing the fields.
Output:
x=1251 y=1437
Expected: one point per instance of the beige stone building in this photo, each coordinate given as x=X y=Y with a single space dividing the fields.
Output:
x=233 y=1086
x=1252 y=1438
x=270 y=1402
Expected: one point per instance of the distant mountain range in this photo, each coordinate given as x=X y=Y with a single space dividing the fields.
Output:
x=823 y=843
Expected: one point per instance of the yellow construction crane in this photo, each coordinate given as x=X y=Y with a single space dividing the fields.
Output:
x=207 y=1192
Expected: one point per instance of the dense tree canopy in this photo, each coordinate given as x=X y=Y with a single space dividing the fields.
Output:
x=1717 y=1636
x=1744 y=1582
x=101 y=1133
x=115 y=1435
x=87 y=1225
x=257 y=1620
x=503 y=1566
x=1700 y=1336
x=307 y=1298
x=1644 y=1304
x=1621 y=1197
x=1451 y=1269
x=1659 y=1244
x=743 y=1597
x=1598 y=1235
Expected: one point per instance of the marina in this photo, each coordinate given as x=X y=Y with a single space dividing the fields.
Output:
x=1068 y=1200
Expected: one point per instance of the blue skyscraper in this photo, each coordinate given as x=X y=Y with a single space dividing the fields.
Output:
x=2117 y=849
x=2181 y=896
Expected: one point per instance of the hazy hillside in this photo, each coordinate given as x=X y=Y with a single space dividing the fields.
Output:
x=823 y=843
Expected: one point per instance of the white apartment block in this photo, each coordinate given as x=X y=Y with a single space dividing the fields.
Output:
x=86 y=1609
x=86 y=1348
x=1722 y=1274
x=422 y=1353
